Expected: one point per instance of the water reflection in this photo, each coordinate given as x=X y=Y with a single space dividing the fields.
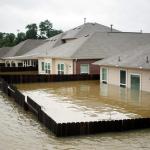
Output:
x=88 y=100
x=121 y=93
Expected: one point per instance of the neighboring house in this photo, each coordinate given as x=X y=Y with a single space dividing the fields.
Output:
x=20 y=49
x=130 y=69
x=3 y=52
x=78 y=55
x=69 y=41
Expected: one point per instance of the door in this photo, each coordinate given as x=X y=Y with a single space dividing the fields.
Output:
x=135 y=82
x=104 y=75
x=123 y=78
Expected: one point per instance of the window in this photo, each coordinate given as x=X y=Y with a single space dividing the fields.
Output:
x=47 y=68
x=43 y=68
x=135 y=81
x=84 y=69
x=60 y=68
x=104 y=75
x=122 y=78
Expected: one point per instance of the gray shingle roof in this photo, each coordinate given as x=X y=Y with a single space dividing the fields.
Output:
x=24 y=47
x=48 y=45
x=97 y=46
x=4 y=50
x=85 y=29
x=137 y=58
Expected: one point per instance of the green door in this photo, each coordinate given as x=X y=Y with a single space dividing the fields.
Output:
x=135 y=82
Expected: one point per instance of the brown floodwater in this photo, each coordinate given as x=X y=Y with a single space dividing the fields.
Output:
x=20 y=130
x=88 y=101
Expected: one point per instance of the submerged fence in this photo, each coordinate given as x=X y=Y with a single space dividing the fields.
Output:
x=74 y=128
x=46 y=78
x=18 y=69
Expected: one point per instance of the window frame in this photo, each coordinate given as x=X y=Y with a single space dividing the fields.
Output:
x=104 y=81
x=61 y=71
x=47 y=67
x=122 y=84
x=43 y=66
x=85 y=72
x=136 y=74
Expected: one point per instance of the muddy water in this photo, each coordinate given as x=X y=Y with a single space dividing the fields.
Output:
x=88 y=101
x=20 y=130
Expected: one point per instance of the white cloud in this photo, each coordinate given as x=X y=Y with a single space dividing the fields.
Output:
x=127 y=15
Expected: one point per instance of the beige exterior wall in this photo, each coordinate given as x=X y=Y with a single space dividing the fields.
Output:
x=68 y=65
x=145 y=78
x=45 y=60
x=113 y=77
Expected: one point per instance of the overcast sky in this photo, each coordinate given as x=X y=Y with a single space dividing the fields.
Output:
x=125 y=15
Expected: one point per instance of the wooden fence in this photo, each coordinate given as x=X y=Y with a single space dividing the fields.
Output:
x=17 y=69
x=46 y=78
x=74 y=128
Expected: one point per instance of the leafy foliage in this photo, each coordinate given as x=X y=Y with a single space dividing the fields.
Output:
x=31 y=32
x=45 y=30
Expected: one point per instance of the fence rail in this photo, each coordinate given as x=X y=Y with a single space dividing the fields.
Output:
x=17 y=69
x=46 y=78
x=74 y=128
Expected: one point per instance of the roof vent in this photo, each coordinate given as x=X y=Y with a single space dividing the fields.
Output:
x=86 y=35
x=147 y=59
x=119 y=59
x=111 y=27
x=84 y=20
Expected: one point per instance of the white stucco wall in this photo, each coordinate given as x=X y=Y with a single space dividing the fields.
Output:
x=114 y=77
x=68 y=65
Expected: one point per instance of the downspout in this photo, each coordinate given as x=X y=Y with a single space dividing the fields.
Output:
x=75 y=66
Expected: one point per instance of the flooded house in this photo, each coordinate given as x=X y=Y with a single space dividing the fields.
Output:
x=129 y=69
x=75 y=51
x=50 y=55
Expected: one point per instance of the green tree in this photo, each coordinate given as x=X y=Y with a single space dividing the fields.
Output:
x=8 y=39
x=20 y=37
x=46 y=30
x=31 y=32
x=45 y=27
x=1 y=39
x=53 y=32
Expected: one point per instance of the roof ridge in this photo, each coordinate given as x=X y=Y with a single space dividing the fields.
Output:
x=82 y=27
x=88 y=37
